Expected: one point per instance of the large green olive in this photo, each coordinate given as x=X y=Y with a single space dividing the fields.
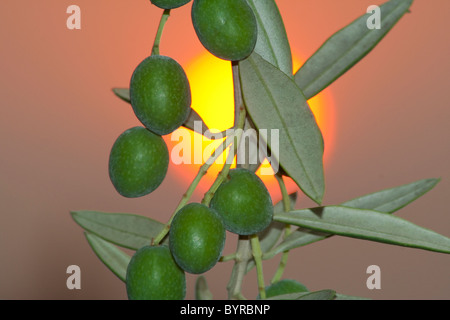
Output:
x=243 y=202
x=138 y=162
x=226 y=28
x=160 y=94
x=152 y=274
x=196 y=238
x=169 y=4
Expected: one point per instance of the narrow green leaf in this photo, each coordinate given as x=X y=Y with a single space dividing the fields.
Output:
x=298 y=238
x=114 y=258
x=124 y=229
x=122 y=93
x=319 y=295
x=272 y=44
x=388 y=200
x=288 y=296
x=202 y=291
x=276 y=104
x=346 y=47
x=346 y=297
x=368 y=225
x=316 y=295
x=393 y=199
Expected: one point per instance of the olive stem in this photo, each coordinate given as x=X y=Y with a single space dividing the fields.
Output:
x=287 y=229
x=187 y=195
x=240 y=115
x=243 y=255
x=228 y=257
x=165 y=15
x=238 y=101
x=257 y=256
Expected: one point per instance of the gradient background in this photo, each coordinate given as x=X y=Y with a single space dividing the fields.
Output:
x=59 y=120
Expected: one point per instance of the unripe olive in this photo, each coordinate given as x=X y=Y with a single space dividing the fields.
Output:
x=226 y=28
x=169 y=4
x=243 y=202
x=196 y=238
x=284 y=286
x=138 y=162
x=160 y=94
x=152 y=274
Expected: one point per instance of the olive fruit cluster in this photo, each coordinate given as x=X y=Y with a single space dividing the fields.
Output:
x=161 y=99
x=160 y=96
x=197 y=237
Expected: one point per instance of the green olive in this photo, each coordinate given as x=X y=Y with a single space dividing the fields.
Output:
x=169 y=4
x=243 y=202
x=226 y=28
x=160 y=94
x=196 y=238
x=138 y=162
x=152 y=274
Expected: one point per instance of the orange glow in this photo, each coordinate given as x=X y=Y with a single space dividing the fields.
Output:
x=212 y=98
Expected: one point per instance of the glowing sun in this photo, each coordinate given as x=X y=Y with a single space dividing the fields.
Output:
x=212 y=98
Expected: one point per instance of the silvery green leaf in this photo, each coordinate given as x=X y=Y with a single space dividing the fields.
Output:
x=346 y=47
x=368 y=225
x=122 y=93
x=272 y=44
x=393 y=199
x=124 y=229
x=114 y=258
x=388 y=200
x=315 y=295
x=202 y=291
x=276 y=104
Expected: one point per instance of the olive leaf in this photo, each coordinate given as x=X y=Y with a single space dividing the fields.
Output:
x=393 y=199
x=387 y=200
x=368 y=225
x=124 y=94
x=123 y=229
x=315 y=295
x=340 y=296
x=276 y=104
x=346 y=47
x=115 y=259
x=202 y=291
x=272 y=44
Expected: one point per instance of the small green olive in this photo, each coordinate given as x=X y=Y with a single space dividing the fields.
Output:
x=160 y=94
x=243 y=202
x=138 y=162
x=226 y=28
x=152 y=274
x=169 y=4
x=196 y=238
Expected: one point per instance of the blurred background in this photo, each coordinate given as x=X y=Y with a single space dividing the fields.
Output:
x=59 y=119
